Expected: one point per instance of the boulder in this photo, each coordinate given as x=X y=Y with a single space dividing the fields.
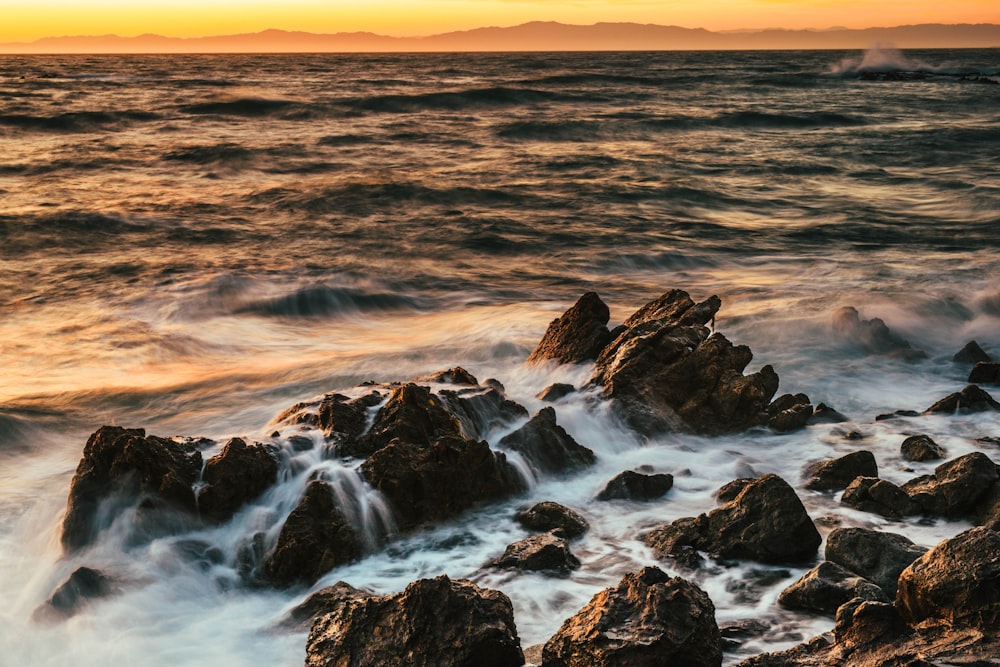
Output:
x=315 y=538
x=546 y=551
x=873 y=336
x=865 y=623
x=578 y=335
x=955 y=488
x=433 y=623
x=765 y=522
x=878 y=496
x=632 y=485
x=346 y=417
x=971 y=354
x=234 y=476
x=324 y=601
x=789 y=412
x=548 y=516
x=457 y=375
x=837 y=474
x=426 y=483
x=921 y=448
x=970 y=399
x=546 y=446
x=827 y=586
x=412 y=414
x=649 y=619
x=824 y=414
x=554 y=392
x=985 y=372
x=122 y=466
x=84 y=585
x=876 y=556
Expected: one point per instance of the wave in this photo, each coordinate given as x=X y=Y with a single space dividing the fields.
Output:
x=761 y=119
x=244 y=106
x=325 y=301
x=224 y=152
x=884 y=62
x=76 y=121
x=467 y=99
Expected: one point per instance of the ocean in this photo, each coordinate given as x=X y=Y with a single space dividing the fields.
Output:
x=191 y=244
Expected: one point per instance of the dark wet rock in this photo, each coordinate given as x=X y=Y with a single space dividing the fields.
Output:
x=235 y=476
x=985 y=372
x=549 y=516
x=971 y=354
x=824 y=414
x=546 y=551
x=988 y=512
x=649 y=619
x=433 y=623
x=480 y=409
x=324 y=601
x=921 y=448
x=970 y=399
x=412 y=414
x=578 y=335
x=632 y=485
x=554 y=392
x=315 y=538
x=457 y=375
x=896 y=415
x=737 y=632
x=789 y=412
x=84 y=585
x=837 y=474
x=728 y=491
x=874 y=555
x=871 y=335
x=347 y=417
x=955 y=488
x=427 y=483
x=547 y=446
x=120 y=466
x=878 y=496
x=765 y=522
x=827 y=586
x=863 y=622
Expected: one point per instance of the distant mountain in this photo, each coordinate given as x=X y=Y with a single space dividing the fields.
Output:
x=534 y=36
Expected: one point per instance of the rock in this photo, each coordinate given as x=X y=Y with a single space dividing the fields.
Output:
x=578 y=335
x=324 y=601
x=985 y=372
x=971 y=354
x=824 y=414
x=955 y=583
x=649 y=619
x=433 y=623
x=234 y=476
x=878 y=496
x=921 y=448
x=480 y=409
x=546 y=551
x=315 y=538
x=896 y=415
x=84 y=585
x=955 y=487
x=429 y=483
x=730 y=490
x=549 y=516
x=126 y=465
x=554 y=392
x=827 y=586
x=871 y=335
x=765 y=522
x=876 y=556
x=547 y=446
x=970 y=399
x=631 y=485
x=346 y=417
x=789 y=413
x=412 y=414
x=837 y=474
x=862 y=622
x=457 y=375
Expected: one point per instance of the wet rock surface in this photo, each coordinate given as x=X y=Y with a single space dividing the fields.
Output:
x=985 y=372
x=632 y=485
x=789 y=413
x=412 y=414
x=970 y=399
x=878 y=496
x=83 y=586
x=971 y=354
x=324 y=601
x=877 y=556
x=235 y=476
x=578 y=335
x=826 y=587
x=837 y=474
x=873 y=336
x=548 y=516
x=547 y=446
x=921 y=448
x=956 y=487
x=548 y=552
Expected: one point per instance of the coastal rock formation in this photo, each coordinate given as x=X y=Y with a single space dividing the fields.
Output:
x=955 y=488
x=827 y=586
x=632 y=485
x=546 y=551
x=547 y=446
x=877 y=556
x=873 y=336
x=878 y=496
x=234 y=476
x=548 y=516
x=649 y=619
x=837 y=474
x=970 y=399
x=985 y=372
x=578 y=335
x=412 y=414
x=433 y=623
x=921 y=448
x=480 y=409
x=555 y=391
x=971 y=354
x=324 y=601
x=84 y=585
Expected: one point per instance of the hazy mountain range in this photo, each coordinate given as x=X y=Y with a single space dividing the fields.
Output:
x=535 y=36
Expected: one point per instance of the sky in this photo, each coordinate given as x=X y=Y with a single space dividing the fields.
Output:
x=27 y=20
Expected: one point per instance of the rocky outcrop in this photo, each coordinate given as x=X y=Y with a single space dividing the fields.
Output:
x=827 y=586
x=123 y=466
x=480 y=409
x=955 y=488
x=456 y=375
x=235 y=476
x=547 y=446
x=837 y=474
x=632 y=485
x=873 y=336
x=970 y=399
x=346 y=417
x=578 y=335
x=324 y=601
x=548 y=516
x=876 y=556
x=649 y=619
x=546 y=552
x=433 y=623
x=555 y=391
x=765 y=521
x=824 y=414
x=878 y=496
x=971 y=354
x=921 y=448
x=84 y=585
x=789 y=412
x=412 y=414
x=985 y=372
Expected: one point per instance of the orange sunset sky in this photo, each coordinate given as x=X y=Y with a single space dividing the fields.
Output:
x=27 y=20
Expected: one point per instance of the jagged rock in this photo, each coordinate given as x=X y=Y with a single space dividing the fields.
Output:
x=955 y=583
x=970 y=399
x=412 y=414
x=324 y=601
x=971 y=354
x=546 y=551
x=862 y=622
x=824 y=414
x=921 y=448
x=649 y=619
x=728 y=491
x=985 y=372
x=578 y=335
x=315 y=539
x=126 y=465
x=827 y=586
x=427 y=483
x=878 y=496
x=548 y=516
x=554 y=392
x=789 y=412
x=836 y=474
x=234 y=476
x=345 y=416
x=872 y=335
x=896 y=415
x=547 y=446
x=632 y=485
x=955 y=487
x=480 y=409
x=765 y=522
x=84 y=585
x=457 y=375
x=876 y=556
x=433 y=623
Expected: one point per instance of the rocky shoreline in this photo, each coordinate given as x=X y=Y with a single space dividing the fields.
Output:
x=421 y=458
